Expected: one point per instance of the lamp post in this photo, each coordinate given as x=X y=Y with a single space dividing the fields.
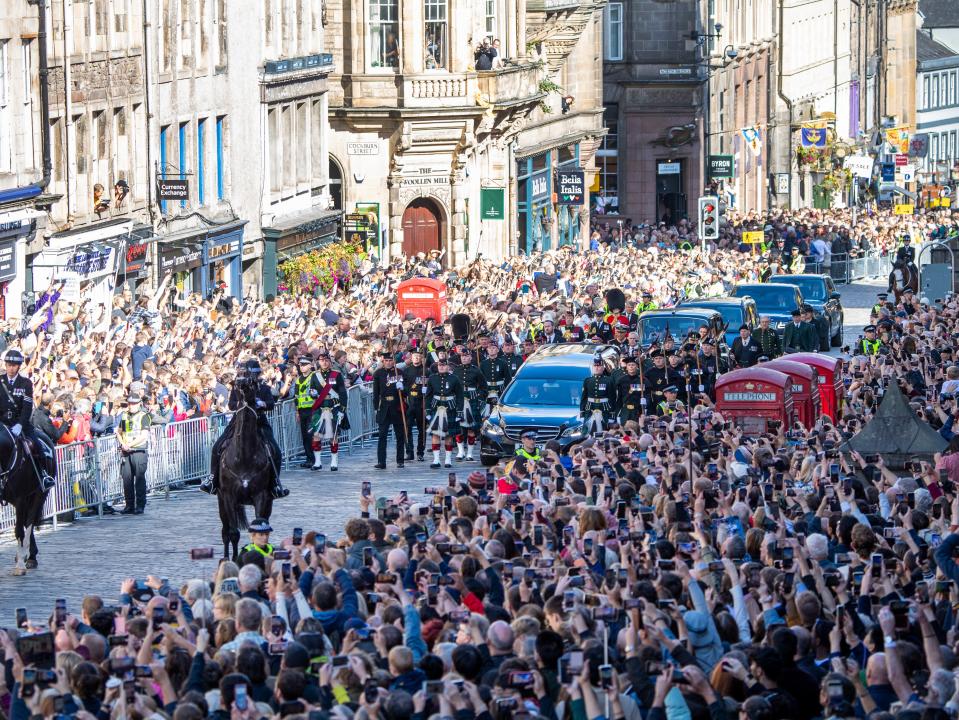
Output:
x=729 y=52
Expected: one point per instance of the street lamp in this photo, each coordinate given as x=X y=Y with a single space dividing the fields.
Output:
x=731 y=53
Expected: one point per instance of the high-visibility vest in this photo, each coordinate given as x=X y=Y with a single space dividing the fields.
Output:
x=521 y=452
x=871 y=347
x=303 y=399
x=130 y=424
x=265 y=552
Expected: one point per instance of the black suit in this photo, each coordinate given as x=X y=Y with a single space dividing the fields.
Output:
x=388 y=400
x=746 y=352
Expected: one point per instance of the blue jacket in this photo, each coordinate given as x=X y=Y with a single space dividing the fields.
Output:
x=334 y=620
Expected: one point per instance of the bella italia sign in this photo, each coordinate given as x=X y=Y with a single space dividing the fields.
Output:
x=571 y=187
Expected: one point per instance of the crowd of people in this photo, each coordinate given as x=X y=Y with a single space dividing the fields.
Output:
x=669 y=566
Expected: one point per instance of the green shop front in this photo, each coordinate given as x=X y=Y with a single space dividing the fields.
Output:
x=293 y=235
x=545 y=218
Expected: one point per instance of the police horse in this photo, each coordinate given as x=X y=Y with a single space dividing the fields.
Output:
x=22 y=488
x=905 y=273
x=247 y=469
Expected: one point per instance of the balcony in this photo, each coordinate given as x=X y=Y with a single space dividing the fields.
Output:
x=511 y=86
x=308 y=64
x=550 y=6
x=439 y=90
x=283 y=80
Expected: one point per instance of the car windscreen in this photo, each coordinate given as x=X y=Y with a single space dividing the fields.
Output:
x=655 y=328
x=770 y=299
x=812 y=288
x=539 y=391
x=732 y=314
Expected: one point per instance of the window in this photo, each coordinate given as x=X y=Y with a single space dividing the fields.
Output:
x=56 y=137
x=219 y=157
x=436 y=33
x=613 y=32
x=607 y=162
x=181 y=147
x=952 y=88
x=268 y=23
x=80 y=131
x=4 y=73
x=166 y=36
x=186 y=34
x=164 y=142
x=315 y=133
x=100 y=134
x=204 y=33
x=384 y=38
x=26 y=50
x=200 y=161
x=933 y=147
x=925 y=91
x=490 y=25
x=276 y=160
x=302 y=134
x=221 y=33
x=935 y=91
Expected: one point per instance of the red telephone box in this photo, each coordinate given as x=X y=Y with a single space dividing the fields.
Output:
x=829 y=378
x=805 y=390
x=424 y=297
x=751 y=397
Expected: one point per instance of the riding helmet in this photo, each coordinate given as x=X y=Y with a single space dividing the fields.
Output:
x=253 y=367
x=13 y=356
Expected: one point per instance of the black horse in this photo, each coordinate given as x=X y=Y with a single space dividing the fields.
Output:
x=23 y=490
x=246 y=471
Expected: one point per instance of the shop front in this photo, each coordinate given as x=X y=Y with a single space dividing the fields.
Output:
x=17 y=228
x=203 y=259
x=294 y=235
x=534 y=203
x=86 y=260
x=134 y=263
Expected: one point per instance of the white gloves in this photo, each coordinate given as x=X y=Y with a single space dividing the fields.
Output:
x=399 y=384
x=260 y=403
x=16 y=430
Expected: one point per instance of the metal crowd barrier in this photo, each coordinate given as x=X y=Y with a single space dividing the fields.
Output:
x=88 y=473
x=844 y=269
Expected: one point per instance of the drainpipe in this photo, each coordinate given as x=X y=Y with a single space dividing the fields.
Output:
x=835 y=57
x=146 y=107
x=786 y=100
x=68 y=106
x=44 y=74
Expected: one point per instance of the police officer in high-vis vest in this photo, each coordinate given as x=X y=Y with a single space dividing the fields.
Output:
x=670 y=404
x=870 y=344
x=306 y=389
x=259 y=538
x=528 y=450
x=133 y=436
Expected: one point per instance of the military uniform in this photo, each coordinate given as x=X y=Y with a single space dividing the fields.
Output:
x=388 y=401
x=474 y=389
x=677 y=373
x=656 y=381
x=497 y=373
x=630 y=401
x=444 y=392
x=597 y=402
x=708 y=372
x=16 y=412
x=329 y=416
x=415 y=378
x=769 y=343
x=513 y=362
x=746 y=352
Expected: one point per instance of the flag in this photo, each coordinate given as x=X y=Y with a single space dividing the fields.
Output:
x=898 y=138
x=753 y=139
x=813 y=137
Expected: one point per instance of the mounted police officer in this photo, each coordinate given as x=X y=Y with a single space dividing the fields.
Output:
x=415 y=378
x=306 y=389
x=388 y=401
x=16 y=412
x=475 y=389
x=133 y=436
x=329 y=412
x=528 y=450
x=598 y=400
x=248 y=373
x=444 y=390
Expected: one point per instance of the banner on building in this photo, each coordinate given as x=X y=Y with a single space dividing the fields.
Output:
x=173 y=189
x=919 y=145
x=571 y=187
x=813 y=137
x=492 y=203
x=898 y=138
x=753 y=139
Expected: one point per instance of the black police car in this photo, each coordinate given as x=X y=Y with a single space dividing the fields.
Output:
x=542 y=397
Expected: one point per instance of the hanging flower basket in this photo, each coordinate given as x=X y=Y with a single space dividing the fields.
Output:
x=323 y=271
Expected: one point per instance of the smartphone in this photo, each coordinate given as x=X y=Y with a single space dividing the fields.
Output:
x=451 y=478
x=922 y=591
x=277 y=648
x=240 y=698
x=29 y=681
x=287 y=570
x=537 y=535
x=201 y=553
x=281 y=554
x=319 y=543
x=876 y=565
x=60 y=612
x=520 y=679
x=340 y=660
x=387 y=578
x=366 y=488
x=297 y=537
x=367 y=556
x=143 y=671
x=606 y=676
x=21 y=618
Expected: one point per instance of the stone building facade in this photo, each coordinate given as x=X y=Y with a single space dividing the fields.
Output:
x=439 y=146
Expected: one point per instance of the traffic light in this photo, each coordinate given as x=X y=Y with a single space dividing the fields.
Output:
x=709 y=218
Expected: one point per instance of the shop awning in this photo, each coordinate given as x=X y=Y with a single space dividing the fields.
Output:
x=297 y=233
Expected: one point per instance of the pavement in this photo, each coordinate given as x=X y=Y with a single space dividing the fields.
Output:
x=94 y=555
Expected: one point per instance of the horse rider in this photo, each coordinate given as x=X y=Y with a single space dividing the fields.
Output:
x=16 y=412
x=598 y=398
x=250 y=372
x=307 y=387
x=329 y=411
x=133 y=436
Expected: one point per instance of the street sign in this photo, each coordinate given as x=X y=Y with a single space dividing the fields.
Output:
x=908 y=173
x=571 y=187
x=753 y=237
x=888 y=172
x=904 y=209
x=173 y=189
x=721 y=166
x=859 y=165
x=782 y=183
x=901 y=159
x=491 y=204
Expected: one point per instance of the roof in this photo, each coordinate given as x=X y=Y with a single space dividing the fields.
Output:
x=561 y=358
x=680 y=311
x=895 y=429
x=928 y=49
x=710 y=302
x=939 y=13
x=756 y=374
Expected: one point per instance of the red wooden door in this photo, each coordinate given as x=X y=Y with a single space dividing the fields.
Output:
x=421 y=228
